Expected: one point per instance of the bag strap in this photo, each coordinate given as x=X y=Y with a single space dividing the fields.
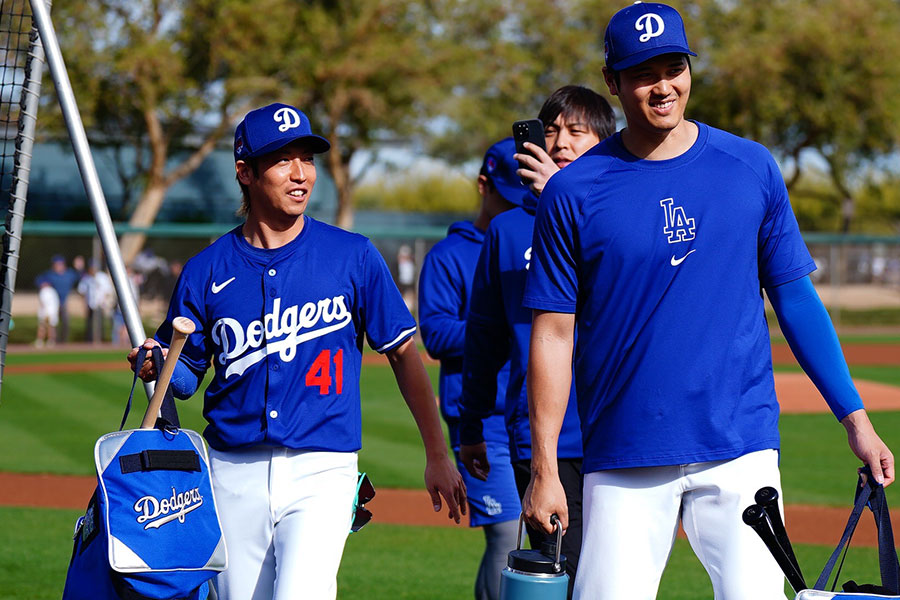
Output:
x=887 y=552
x=168 y=411
x=872 y=495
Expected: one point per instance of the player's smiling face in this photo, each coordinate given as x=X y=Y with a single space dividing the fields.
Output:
x=282 y=182
x=567 y=138
x=654 y=94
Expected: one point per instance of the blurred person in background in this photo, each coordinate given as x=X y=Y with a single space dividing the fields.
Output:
x=63 y=279
x=100 y=297
x=47 y=315
x=119 y=329
x=406 y=276
x=445 y=284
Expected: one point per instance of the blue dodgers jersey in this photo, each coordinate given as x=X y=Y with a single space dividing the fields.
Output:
x=284 y=330
x=662 y=262
x=499 y=328
x=445 y=284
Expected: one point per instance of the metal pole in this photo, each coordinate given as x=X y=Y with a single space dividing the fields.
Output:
x=89 y=174
x=18 y=194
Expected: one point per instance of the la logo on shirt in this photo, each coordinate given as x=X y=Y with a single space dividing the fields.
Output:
x=678 y=228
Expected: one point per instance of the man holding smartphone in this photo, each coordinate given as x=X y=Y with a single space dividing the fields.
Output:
x=567 y=136
x=498 y=327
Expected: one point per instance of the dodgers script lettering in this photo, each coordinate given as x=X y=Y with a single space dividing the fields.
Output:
x=245 y=347
x=155 y=512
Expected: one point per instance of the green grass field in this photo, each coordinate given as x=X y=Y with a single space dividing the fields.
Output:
x=49 y=422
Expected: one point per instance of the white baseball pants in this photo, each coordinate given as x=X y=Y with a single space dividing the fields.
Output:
x=631 y=518
x=286 y=515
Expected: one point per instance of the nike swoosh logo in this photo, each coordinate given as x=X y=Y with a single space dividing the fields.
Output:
x=216 y=288
x=677 y=261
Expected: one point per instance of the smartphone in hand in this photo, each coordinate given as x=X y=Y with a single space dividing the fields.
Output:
x=531 y=130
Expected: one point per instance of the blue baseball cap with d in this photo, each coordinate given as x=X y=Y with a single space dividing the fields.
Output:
x=500 y=167
x=269 y=128
x=642 y=31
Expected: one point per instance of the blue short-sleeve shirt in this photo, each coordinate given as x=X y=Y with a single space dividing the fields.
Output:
x=663 y=262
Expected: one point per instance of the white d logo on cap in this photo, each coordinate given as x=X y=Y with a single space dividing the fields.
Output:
x=288 y=118
x=652 y=24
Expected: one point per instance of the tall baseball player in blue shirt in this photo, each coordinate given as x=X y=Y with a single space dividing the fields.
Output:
x=498 y=326
x=282 y=304
x=445 y=284
x=655 y=246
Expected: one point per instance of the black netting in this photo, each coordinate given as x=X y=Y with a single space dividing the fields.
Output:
x=15 y=39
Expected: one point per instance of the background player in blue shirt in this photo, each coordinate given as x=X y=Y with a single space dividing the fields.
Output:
x=282 y=304
x=444 y=287
x=654 y=248
x=63 y=279
x=498 y=327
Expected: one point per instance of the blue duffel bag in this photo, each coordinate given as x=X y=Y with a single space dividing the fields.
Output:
x=151 y=530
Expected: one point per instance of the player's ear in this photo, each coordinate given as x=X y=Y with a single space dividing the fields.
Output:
x=244 y=172
x=484 y=185
x=610 y=78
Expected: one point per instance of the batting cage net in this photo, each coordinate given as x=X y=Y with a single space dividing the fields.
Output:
x=20 y=83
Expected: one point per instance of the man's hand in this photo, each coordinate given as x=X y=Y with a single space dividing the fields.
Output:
x=868 y=447
x=544 y=497
x=474 y=458
x=147 y=372
x=538 y=167
x=443 y=479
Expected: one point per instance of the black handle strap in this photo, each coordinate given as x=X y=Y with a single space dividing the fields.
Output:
x=168 y=411
x=872 y=495
x=160 y=460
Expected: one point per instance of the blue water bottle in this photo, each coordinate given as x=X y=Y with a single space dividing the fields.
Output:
x=535 y=574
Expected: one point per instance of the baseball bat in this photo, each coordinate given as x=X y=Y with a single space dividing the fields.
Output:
x=755 y=517
x=767 y=498
x=181 y=328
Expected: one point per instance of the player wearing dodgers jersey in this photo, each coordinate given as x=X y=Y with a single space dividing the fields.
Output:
x=282 y=304
x=654 y=246
x=445 y=285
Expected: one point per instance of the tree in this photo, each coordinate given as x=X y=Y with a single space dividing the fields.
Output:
x=524 y=50
x=802 y=75
x=370 y=71
x=155 y=75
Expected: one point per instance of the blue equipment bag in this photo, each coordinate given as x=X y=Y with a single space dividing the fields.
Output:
x=151 y=530
x=871 y=495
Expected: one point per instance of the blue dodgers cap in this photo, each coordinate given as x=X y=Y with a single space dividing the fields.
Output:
x=269 y=128
x=500 y=167
x=642 y=31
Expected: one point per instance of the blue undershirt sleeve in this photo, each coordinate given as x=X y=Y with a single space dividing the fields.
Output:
x=184 y=381
x=810 y=333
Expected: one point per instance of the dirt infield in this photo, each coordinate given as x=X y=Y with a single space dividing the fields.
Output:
x=807 y=524
x=856 y=354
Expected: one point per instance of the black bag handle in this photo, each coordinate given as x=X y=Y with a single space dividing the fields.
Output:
x=168 y=411
x=870 y=494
